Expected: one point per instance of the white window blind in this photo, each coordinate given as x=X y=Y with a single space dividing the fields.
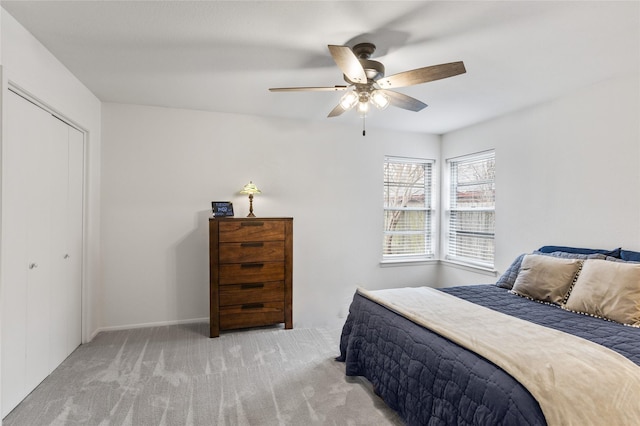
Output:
x=471 y=213
x=408 y=187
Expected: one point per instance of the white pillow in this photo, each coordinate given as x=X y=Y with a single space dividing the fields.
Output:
x=608 y=290
x=546 y=278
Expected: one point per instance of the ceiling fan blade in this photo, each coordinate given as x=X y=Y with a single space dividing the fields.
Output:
x=336 y=111
x=348 y=63
x=403 y=101
x=308 y=89
x=422 y=75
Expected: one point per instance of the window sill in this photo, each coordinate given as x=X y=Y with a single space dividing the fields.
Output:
x=385 y=263
x=450 y=263
x=468 y=267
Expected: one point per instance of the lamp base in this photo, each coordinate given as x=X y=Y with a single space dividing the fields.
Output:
x=251 y=206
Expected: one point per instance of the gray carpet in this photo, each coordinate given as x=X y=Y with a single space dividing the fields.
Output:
x=177 y=375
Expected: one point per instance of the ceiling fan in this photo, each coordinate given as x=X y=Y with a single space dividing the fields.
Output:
x=367 y=83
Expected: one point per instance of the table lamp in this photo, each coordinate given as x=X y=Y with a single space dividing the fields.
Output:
x=250 y=189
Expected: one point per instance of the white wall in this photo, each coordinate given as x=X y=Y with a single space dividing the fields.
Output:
x=163 y=167
x=567 y=173
x=30 y=66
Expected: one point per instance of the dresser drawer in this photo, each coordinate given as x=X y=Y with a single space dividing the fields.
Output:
x=251 y=230
x=251 y=315
x=238 y=294
x=241 y=273
x=255 y=251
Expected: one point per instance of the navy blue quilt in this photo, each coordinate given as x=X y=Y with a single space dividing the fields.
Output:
x=430 y=380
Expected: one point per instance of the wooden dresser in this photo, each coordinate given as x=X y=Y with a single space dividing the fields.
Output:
x=250 y=272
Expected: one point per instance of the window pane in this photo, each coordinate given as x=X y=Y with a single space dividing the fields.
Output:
x=405 y=232
x=472 y=248
x=475 y=195
x=473 y=184
x=405 y=184
x=405 y=220
x=406 y=244
x=473 y=222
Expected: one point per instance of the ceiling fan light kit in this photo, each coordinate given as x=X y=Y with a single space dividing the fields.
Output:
x=349 y=100
x=380 y=99
x=369 y=85
x=363 y=108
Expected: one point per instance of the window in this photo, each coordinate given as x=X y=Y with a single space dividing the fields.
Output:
x=408 y=212
x=471 y=212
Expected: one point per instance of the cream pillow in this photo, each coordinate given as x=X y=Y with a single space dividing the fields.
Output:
x=546 y=278
x=609 y=290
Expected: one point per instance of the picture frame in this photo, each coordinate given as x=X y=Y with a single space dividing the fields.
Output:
x=222 y=208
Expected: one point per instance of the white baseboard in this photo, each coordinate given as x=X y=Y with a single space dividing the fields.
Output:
x=146 y=325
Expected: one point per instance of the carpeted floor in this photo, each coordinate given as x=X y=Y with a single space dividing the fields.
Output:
x=177 y=375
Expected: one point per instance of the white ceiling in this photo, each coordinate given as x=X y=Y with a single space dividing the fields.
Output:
x=224 y=55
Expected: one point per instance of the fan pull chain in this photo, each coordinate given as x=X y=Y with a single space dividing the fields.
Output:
x=364 y=132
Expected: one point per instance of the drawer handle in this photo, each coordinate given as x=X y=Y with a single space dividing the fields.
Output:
x=251 y=223
x=251 y=244
x=251 y=265
x=253 y=306
x=250 y=286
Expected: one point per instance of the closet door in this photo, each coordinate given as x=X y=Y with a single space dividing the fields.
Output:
x=66 y=251
x=41 y=268
x=25 y=263
x=39 y=240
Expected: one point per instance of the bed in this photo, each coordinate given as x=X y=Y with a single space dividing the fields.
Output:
x=429 y=379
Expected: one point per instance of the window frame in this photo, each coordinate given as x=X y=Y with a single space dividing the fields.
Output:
x=429 y=209
x=447 y=192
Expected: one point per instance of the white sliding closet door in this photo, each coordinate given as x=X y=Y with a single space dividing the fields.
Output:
x=38 y=262
x=59 y=162
x=41 y=264
x=66 y=252
x=25 y=311
x=66 y=249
